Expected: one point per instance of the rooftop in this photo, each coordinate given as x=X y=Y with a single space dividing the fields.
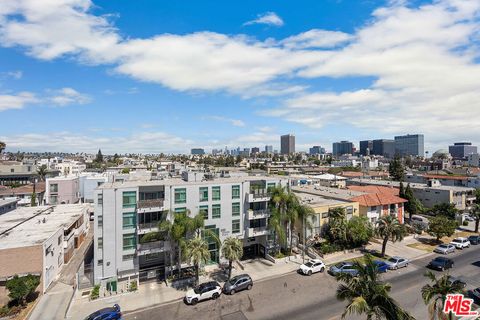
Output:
x=5 y=202
x=396 y=184
x=317 y=201
x=29 y=226
x=327 y=192
x=26 y=189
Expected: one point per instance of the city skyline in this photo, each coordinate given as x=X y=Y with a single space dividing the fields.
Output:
x=152 y=82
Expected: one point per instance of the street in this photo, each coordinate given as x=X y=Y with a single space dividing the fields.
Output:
x=294 y=296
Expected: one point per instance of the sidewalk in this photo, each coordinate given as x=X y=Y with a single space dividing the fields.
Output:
x=53 y=304
x=400 y=248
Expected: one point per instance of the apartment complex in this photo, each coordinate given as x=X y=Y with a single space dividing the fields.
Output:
x=410 y=145
x=287 y=144
x=62 y=190
x=126 y=211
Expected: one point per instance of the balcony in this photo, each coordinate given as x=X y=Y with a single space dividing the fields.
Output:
x=150 y=205
x=259 y=195
x=258 y=214
x=259 y=231
x=150 y=247
x=147 y=227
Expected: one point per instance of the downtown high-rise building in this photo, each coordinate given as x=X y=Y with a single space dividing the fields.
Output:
x=383 y=147
x=461 y=150
x=268 y=149
x=410 y=145
x=366 y=147
x=342 y=147
x=287 y=144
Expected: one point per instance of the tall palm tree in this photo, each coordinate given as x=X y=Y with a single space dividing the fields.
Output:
x=285 y=202
x=389 y=228
x=475 y=214
x=197 y=252
x=176 y=232
x=42 y=172
x=275 y=224
x=337 y=224
x=367 y=294
x=232 y=250
x=435 y=294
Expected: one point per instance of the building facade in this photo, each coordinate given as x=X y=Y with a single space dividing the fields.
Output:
x=366 y=147
x=383 y=147
x=410 y=145
x=287 y=144
x=197 y=151
x=461 y=150
x=342 y=147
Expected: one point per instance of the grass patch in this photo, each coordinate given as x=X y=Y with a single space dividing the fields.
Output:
x=422 y=246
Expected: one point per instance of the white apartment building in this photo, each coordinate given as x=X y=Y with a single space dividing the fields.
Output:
x=125 y=211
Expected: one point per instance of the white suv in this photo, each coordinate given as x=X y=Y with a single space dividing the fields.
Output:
x=207 y=290
x=461 y=243
x=312 y=266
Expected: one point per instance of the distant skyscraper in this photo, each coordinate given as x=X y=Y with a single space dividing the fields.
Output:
x=197 y=151
x=461 y=150
x=342 y=147
x=316 y=150
x=287 y=144
x=364 y=145
x=255 y=150
x=383 y=147
x=268 y=149
x=410 y=145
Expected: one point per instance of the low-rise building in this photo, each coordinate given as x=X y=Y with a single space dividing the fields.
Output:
x=62 y=190
x=15 y=173
x=7 y=205
x=24 y=194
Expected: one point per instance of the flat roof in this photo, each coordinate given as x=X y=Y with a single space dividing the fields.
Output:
x=34 y=225
x=316 y=200
x=4 y=202
x=331 y=193
x=396 y=184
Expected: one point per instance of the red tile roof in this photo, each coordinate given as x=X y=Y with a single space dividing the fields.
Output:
x=437 y=176
x=376 y=189
x=27 y=189
x=377 y=195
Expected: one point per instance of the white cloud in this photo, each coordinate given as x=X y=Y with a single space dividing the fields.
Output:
x=67 y=96
x=233 y=122
x=16 y=101
x=269 y=18
x=15 y=74
x=316 y=38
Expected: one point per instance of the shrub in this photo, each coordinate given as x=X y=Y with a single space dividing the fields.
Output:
x=95 y=293
x=21 y=287
x=279 y=255
x=465 y=223
x=133 y=286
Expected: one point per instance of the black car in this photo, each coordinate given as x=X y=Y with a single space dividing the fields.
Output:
x=441 y=263
x=457 y=281
x=238 y=283
x=474 y=239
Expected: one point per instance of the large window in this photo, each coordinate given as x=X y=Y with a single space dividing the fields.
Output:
x=204 y=210
x=100 y=243
x=100 y=221
x=236 y=209
x=129 y=220
x=235 y=226
x=235 y=192
x=215 y=193
x=129 y=199
x=181 y=195
x=100 y=199
x=216 y=211
x=54 y=187
x=203 y=194
x=212 y=244
x=129 y=241
x=180 y=210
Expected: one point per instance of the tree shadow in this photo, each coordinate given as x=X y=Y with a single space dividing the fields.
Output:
x=476 y=264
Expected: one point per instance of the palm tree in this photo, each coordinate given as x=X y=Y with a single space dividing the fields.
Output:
x=475 y=214
x=367 y=294
x=389 y=228
x=176 y=231
x=338 y=224
x=42 y=172
x=435 y=294
x=285 y=202
x=275 y=224
x=197 y=252
x=304 y=214
x=232 y=250
x=2 y=146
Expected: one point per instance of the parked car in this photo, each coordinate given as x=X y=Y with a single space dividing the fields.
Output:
x=382 y=266
x=468 y=217
x=312 y=266
x=343 y=267
x=238 y=283
x=110 y=313
x=397 y=262
x=474 y=239
x=441 y=263
x=204 y=291
x=475 y=295
x=455 y=280
x=460 y=243
x=445 y=248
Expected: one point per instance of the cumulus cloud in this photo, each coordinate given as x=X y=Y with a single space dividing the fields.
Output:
x=269 y=18
x=16 y=101
x=316 y=38
x=233 y=122
x=67 y=96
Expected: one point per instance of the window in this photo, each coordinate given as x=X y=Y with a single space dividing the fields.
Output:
x=53 y=199
x=204 y=210
x=129 y=220
x=54 y=187
x=235 y=226
x=100 y=262
x=127 y=257
x=236 y=209
x=181 y=195
x=270 y=186
x=235 y=192
x=100 y=221
x=129 y=241
x=100 y=199
x=216 y=211
x=100 y=243
x=203 y=194
x=215 y=193
x=129 y=199
x=180 y=210
x=99 y=183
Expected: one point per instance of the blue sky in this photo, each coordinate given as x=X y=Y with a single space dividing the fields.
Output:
x=150 y=76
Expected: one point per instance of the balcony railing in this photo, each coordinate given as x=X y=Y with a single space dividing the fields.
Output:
x=150 y=247
x=259 y=231
x=260 y=193
x=148 y=225
x=256 y=214
x=151 y=203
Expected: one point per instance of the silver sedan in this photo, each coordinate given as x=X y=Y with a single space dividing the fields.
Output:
x=445 y=248
x=397 y=262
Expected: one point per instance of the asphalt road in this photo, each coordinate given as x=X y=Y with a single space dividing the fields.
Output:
x=294 y=296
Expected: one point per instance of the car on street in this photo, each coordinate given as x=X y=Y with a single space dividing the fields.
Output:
x=475 y=295
x=474 y=239
x=204 y=291
x=456 y=280
x=238 y=283
x=445 y=248
x=110 y=313
x=312 y=266
x=343 y=267
x=441 y=263
x=397 y=262
x=460 y=242
x=382 y=266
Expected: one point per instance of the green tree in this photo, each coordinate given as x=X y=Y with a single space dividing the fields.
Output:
x=99 y=157
x=475 y=214
x=232 y=250
x=197 y=252
x=389 y=228
x=367 y=294
x=284 y=203
x=337 y=226
x=126 y=170
x=396 y=169
x=413 y=206
x=19 y=288
x=359 y=231
x=2 y=146
x=33 y=200
x=435 y=294
x=276 y=225
x=401 y=191
x=176 y=231
x=441 y=226
x=42 y=172
x=445 y=209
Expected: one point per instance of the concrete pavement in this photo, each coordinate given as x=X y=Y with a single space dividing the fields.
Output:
x=293 y=296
